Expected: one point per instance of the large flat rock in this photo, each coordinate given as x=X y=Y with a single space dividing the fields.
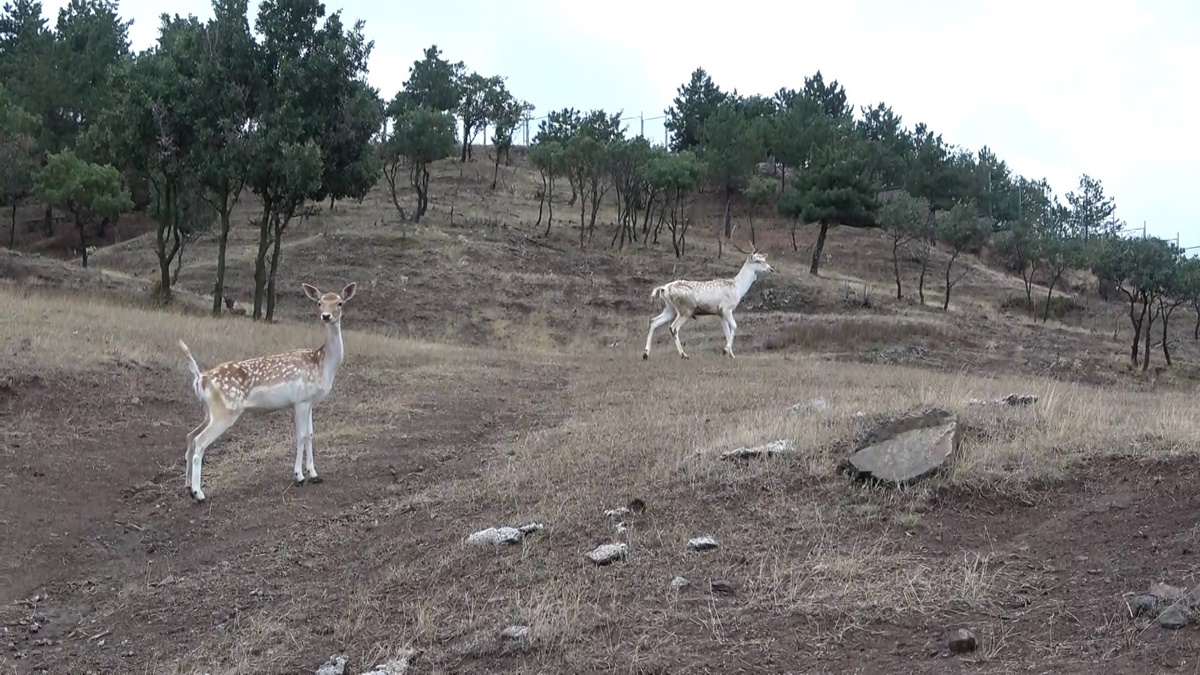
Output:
x=908 y=448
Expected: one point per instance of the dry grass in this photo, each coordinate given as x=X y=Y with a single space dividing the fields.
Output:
x=810 y=553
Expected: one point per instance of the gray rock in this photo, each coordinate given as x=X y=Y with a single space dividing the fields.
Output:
x=607 y=553
x=515 y=633
x=908 y=448
x=702 y=544
x=336 y=665
x=961 y=641
x=396 y=666
x=1018 y=399
x=1144 y=604
x=1175 y=617
x=680 y=582
x=1166 y=592
x=496 y=536
x=723 y=587
x=782 y=446
x=818 y=404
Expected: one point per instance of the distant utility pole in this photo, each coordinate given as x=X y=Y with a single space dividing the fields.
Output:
x=641 y=125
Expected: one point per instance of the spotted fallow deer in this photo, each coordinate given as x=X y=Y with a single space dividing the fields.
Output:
x=684 y=299
x=298 y=379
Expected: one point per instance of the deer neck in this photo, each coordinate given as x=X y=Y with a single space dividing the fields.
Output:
x=331 y=356
x=744 y=280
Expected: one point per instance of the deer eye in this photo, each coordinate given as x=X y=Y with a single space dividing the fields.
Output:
x=340 y=302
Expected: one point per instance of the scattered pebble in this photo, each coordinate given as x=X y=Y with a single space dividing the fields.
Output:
x=818 y=404
x=397 y=666
x=680 y=582
x=503 y=535
x=961 y=641
x=782 y=446
x=723 y=587
x=607 y=553
x=336 y=665
x=702 y=544
x=1175 y=617
x=515 y=633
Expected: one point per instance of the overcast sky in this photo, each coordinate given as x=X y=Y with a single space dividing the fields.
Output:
x=1055 y=87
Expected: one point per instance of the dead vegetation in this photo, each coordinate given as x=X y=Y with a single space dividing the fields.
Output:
x=493 y=376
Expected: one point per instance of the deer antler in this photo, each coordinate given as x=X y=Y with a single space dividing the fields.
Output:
x=753 y=248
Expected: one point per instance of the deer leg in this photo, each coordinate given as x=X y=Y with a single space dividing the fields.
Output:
x=308 y=448
x=657 y=322
x=675 y=326
x=191 y=447
x=302 y=411
x=218 y=424
x=730 y=326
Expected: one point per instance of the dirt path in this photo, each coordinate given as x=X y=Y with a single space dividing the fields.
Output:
x=110 y=567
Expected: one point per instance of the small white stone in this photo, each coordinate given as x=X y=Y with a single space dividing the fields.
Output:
x=782 y=446
x=515 y=633
x=680 y=582
x=617 y=512
x=702 y=544
x=495 y=536
x=607 y=553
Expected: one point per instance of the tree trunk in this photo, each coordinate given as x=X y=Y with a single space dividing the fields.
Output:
x=222 y=243
x=896 y=267
x=279 y=224
x=496 y=171
x=1196 y=330
x=82 y=239
x=1136 y=321
x=180 y=242
x=260 y=260
x=541 y=201
x=48 y=222
x=582 y=219
x=949 y=284
x=820 y=246
x=1166 y=315
x=1049 y=294
x=12 y=232
x=921 y=280
x=728 y=213
x=167 y=228
x=549 y=205
x=1146 y=354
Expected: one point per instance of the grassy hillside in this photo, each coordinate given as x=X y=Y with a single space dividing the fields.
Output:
x=493 y=377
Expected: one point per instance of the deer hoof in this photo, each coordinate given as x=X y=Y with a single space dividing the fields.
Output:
x=316 y=479
x=298 y=482
x=198 y=495
x=684 y=356
x=645 y=355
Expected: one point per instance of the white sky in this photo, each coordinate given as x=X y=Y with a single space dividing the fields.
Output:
x=1055 y=87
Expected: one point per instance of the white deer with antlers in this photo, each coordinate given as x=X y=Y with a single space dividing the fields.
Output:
x=684 y=299
x=298 y=379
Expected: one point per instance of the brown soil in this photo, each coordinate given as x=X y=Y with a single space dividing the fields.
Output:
x=493 y=377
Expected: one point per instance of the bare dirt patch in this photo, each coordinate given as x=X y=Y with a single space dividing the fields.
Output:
x=493 y=377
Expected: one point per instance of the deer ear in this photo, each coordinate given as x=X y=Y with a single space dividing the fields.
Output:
x=312 y=292
x=348 y=291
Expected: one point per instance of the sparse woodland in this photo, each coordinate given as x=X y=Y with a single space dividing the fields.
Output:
x=493 y=375
x=215 y=110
